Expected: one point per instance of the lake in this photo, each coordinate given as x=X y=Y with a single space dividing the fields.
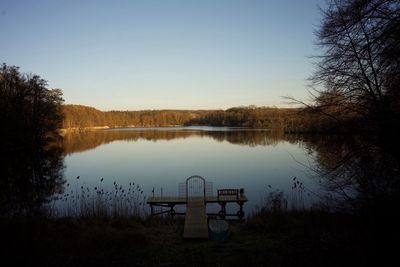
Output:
x=156 y=160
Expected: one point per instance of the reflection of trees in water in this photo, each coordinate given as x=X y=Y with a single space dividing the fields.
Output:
x=359 y=173
x=249 y=138
x=81 y=141
x=29 y=178
x=356 y=172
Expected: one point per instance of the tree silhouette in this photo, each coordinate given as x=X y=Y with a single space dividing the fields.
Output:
x=360 y=62
x=359 y=71
x=30 y=161
x=30 y=113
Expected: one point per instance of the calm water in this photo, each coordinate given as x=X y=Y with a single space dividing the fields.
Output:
x=260 y=161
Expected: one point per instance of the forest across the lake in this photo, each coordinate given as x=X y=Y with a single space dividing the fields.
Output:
x=78 y=116
x=289 y=120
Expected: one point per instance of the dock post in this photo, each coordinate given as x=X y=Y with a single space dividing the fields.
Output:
x=222 y=212
x=171 y=210
x=240 y=213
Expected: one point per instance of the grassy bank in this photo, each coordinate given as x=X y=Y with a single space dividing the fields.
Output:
x=269 y=239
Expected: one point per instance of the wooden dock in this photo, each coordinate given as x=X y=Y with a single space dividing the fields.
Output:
x=195 y=216
x=196 y=200
x=196 y=220
x=183 y=201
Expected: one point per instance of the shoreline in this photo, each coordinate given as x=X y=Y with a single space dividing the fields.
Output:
x=83 y=129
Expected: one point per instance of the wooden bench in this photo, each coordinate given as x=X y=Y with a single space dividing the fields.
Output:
x=224 y=194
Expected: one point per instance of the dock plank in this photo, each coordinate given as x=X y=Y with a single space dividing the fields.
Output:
x=182 y=200
x=196 y=221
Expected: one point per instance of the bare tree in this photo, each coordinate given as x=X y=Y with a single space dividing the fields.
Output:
x=360 y=60
x=359 y=71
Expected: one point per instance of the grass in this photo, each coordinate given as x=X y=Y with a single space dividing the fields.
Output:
x=307 y=238
x=104 y=229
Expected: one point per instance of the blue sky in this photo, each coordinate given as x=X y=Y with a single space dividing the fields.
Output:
x=187 y=54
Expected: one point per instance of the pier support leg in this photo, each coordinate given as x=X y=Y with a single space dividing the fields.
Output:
x=171 y=210
x=240 y=212
x=222 y=212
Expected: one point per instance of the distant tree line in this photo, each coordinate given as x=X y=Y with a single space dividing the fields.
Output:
x=78 y=116
x=287 y=119
x=323 y=117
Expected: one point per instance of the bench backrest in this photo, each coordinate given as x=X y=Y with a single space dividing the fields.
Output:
x=228 y=192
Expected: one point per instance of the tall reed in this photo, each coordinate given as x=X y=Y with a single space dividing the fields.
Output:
x=80 y=200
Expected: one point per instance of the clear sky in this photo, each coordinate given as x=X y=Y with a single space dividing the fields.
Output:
x=187 y=54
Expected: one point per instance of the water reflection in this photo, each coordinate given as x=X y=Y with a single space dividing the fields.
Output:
x=30 y=176
x=160 y=159
x=359 y=173
x=342 y=172
x=81 y=141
